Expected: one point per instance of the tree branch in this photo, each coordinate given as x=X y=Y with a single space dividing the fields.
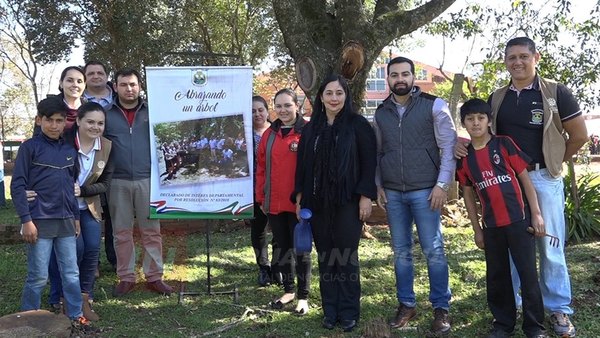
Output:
x=400 y=22
x=384 y=6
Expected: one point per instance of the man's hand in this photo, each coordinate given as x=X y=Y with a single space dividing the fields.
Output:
x=381 y=199
x=77 y=190
x=31 y=195
x=460 y=148
x=437 y=198
x=365 y=207
x=29 y=232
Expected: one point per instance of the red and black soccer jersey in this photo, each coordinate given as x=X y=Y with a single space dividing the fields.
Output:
x=492 y=171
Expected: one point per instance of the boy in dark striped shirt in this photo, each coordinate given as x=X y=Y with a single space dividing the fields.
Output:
x=494 y=168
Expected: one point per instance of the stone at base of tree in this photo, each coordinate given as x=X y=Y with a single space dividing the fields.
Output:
x=35 y=323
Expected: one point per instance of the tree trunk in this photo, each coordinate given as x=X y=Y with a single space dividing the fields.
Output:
x=457 y=85
x=319 y=30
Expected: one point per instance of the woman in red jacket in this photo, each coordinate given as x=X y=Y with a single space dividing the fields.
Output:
x=274 y=185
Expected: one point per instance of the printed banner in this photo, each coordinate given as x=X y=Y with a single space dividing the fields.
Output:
x=201 y=142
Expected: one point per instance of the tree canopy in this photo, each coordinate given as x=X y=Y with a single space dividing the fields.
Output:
x=346 y=36
x=569 y=47
x=316 y=36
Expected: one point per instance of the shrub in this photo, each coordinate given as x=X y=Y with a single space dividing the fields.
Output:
x=583 y=222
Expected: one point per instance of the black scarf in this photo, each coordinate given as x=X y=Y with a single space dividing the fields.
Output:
x=335 y=165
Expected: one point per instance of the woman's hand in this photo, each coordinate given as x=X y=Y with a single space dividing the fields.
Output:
x=77 y=190
x=31 y=195
x=77 y=228
x=298 y=207
x=365 y=207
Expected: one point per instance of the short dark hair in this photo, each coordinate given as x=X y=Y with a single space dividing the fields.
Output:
x=89 y=107
x=401 y=59
x=50 y=106
x=127 y=72
x=521 y=41
x=95 y=63
x=475 y=106
x=63 y=74
x=258 y=98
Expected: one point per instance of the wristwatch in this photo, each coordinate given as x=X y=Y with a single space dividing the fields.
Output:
x=443 y=185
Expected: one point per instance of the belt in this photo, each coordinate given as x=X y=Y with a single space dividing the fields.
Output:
x=536 y=166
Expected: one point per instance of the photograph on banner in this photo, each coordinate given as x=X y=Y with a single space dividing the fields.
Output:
x=200 y=121
x=202 y=150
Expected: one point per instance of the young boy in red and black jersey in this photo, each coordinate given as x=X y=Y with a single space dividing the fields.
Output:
x=494 y=167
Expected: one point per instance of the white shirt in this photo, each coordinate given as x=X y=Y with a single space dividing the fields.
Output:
x=86 y=163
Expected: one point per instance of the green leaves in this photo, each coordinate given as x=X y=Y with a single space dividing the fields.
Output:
x=569 y=45
x=583 y=222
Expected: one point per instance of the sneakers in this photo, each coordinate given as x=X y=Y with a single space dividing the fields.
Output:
x=562 y=325
x=159 y=286
x=123 y=288
x=403 y=316
x=82 y=326
x=441 y=322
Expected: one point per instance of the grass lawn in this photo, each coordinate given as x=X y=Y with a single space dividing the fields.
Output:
x=145 y=314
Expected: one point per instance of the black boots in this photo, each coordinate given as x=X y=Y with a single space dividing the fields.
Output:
x=264 y=276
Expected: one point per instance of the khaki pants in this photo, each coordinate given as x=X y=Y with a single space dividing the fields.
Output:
x=126 y=199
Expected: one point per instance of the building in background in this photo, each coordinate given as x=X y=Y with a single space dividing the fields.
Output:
x=377 y=90
x=426 y=77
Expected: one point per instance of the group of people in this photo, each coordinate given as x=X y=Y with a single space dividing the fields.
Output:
x=88 y=142
x=594 y=145
x=335 y=165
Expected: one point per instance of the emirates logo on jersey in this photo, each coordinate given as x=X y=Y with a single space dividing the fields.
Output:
x=496 y=159
x=294 y=146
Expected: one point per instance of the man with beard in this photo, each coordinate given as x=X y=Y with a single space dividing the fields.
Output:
x=127 y=127
x=415 y=164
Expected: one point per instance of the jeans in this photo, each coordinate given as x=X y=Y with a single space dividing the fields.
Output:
x=554 y=275
x=109 y=242
x=38 y=258
x=404 y=208
x=88 y=252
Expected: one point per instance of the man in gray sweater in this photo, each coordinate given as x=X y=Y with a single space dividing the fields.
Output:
x=415 y=164
x=127 y=127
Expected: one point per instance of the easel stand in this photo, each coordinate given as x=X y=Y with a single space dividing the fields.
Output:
x=209 y=292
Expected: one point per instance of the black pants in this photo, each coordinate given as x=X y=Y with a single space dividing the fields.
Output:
x=498 y=242
x=258 y=236
x=336 y=234
x=288 y=262
x=109 y=245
